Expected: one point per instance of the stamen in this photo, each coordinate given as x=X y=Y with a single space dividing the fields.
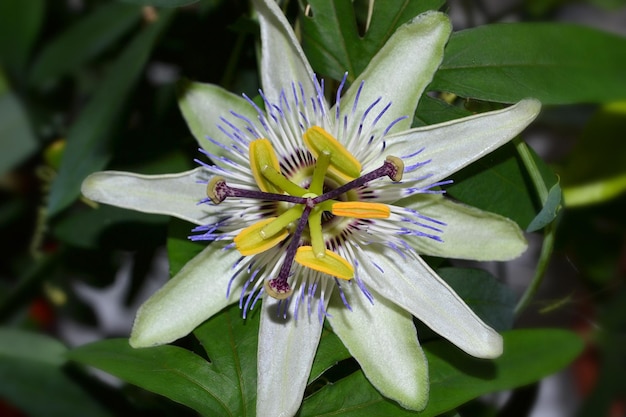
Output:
x=361 y=210
x=330 y=263
x=392 y=168
x=251 y=240
x=218 y=191
x=342 y=162
x=262 y=155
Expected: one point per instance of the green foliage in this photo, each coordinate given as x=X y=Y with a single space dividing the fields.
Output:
x=225 y=386
x=499 y=183
x=549 y=211
x=38 y=385
x=455 y=378
x=94 y=228
x=492 y=301
x=83 y=41
x=179 y=248
x=331 y=37
x=89 y=136
x=556 y=63
x=17 y=344
x=16 y=136
x=19 y=27
x=431 y=111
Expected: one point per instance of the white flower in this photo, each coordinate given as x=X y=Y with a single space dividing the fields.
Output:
x=321 y=211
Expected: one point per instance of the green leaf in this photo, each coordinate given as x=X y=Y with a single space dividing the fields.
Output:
x=17 y=140
x=94 y=228
x=225 y=386
x=231 y=344
x=43 y=390
x=180 y=249
x=491 y=300
x=173 y=372
x=87 y=38
x=498 y=183
x=555 y=63
x=38 y=387
x=88 y=138
x=431 y=111
x=329 y=352
x=529 y=355
x=19 y=344
x=331 y=39
x=19 y=26
x=549 y=211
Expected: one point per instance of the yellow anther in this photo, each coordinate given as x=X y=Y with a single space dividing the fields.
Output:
x=342 y=162
x=250 y=241
x=262 y=155
x=361 y=210
x=331 y=263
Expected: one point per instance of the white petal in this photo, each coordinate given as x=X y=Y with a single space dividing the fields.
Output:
x=411 y=284
x=171 y=194
x=286 y=351
x=383 y=339
x=402 y=69
x=469 y=233
x=282 y=58
x=202 y=106
x=452 y=145
x=196 y=293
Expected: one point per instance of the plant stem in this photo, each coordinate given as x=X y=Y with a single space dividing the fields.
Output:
x=547 y=246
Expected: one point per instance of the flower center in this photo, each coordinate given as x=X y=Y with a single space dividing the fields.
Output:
x=306 y=206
